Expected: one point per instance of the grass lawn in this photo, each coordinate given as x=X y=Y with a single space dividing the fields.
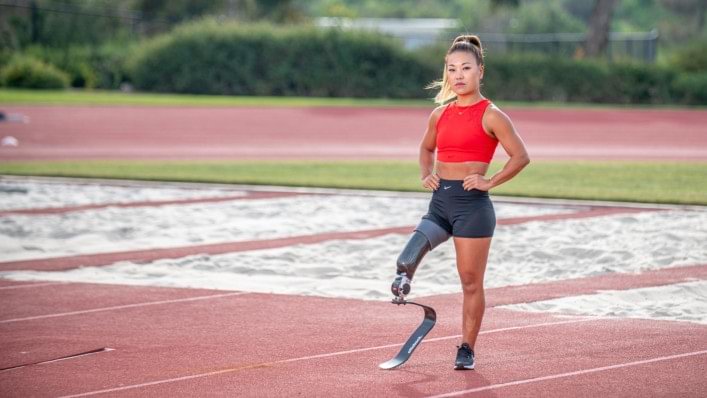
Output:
x=100 y=97
x=103 y=97
x=678 y=182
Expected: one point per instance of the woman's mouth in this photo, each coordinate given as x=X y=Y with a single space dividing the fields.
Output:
x=459 y=84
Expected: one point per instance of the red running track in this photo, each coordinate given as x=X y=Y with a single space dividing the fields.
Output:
x=163 y=342
x=80 y=132
x=73 y=339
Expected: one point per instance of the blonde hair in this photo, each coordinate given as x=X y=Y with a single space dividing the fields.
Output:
x=466 y=43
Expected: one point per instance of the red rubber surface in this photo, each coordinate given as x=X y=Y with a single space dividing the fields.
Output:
x=272 y=345
x=100 y=132
x=184 y=342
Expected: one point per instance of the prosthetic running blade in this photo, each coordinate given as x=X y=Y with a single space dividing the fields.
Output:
x=414 y=340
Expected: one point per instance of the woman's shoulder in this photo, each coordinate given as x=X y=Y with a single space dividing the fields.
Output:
x=494 y=118
x=493 y=111
x=437 y=112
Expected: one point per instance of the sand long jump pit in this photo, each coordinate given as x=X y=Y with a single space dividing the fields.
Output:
x=336 y=243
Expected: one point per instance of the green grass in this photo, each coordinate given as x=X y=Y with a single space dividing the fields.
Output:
x=101 y=97
x=680 y=183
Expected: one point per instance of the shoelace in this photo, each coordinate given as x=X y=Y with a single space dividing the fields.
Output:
x=466 y=349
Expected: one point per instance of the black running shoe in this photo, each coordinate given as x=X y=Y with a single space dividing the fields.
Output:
x=465 y=358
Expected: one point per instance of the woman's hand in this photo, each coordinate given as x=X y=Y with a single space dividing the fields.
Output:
x=477 y=181
x=431 y=182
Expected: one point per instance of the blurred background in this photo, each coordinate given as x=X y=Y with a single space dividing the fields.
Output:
x=607 y=51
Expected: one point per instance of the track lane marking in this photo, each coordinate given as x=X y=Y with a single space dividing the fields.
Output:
x=310 y=357
x=570 y=374
x=120 y=307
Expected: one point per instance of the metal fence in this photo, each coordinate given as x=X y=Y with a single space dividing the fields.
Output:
x=419 y=32
x=630 y=45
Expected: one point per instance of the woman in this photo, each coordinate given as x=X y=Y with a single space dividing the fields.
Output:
x=464 y=133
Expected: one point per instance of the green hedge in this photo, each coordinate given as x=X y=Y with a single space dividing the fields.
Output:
x=88 y=67
x=27 y=72
x=536 y=77
x=691 y=88
x=208 y=57
x=539 y=77
x=691 y=58
x=213 y=58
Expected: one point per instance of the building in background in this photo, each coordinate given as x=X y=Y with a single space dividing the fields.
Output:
x=414 y=32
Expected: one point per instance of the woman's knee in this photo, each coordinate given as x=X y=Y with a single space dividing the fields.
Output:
x=472 y=284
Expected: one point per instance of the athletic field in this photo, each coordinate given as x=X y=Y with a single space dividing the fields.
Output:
x=129 y=288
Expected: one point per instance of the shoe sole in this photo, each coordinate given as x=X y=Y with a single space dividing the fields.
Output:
x=462 y=367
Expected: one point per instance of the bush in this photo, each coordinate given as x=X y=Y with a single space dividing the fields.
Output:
x=692 y=58
x=691 y=88
x=633 y=83
x=212 y=58
x=28 y=72
x=534 y=77
x=88 y=67
x=109 y=64
x=72 y=60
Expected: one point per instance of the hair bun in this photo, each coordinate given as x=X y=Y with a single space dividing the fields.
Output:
x=471 y=39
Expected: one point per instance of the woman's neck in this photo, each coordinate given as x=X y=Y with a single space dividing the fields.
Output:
x=471 y=99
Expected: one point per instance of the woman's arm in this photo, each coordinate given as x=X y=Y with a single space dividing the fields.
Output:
x=500 y=125
x=430 y=179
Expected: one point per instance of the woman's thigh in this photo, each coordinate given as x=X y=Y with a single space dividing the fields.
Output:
x=472 y=254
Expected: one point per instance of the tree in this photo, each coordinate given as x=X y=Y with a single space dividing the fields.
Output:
x=279 y=11
x=161 y=15
x=501 y=3
x=599 y=26
x=689 y=8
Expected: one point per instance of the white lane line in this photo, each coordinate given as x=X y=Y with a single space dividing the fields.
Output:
x=120 y=307
x=318 y=356
x=570 y=374
x=31 y=285
x=536 y=325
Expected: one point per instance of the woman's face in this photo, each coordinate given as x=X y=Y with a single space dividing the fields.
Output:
x=464 y=73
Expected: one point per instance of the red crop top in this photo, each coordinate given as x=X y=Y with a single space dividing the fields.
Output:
x=461 y=136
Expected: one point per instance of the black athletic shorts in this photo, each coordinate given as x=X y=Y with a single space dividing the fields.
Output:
x=464 y=214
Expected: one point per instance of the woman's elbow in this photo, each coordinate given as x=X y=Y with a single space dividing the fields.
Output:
x=425 y=150
x=523 y=159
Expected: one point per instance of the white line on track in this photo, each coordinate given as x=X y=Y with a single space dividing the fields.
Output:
x=318 y=356
x=120 y=307
x=570 y=374
x=30 y=285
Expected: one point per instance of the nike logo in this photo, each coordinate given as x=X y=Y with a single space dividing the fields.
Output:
x=447 y=187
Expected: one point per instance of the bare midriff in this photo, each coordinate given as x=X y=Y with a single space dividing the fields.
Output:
x=459 y=170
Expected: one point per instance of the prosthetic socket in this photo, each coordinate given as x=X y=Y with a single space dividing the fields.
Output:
x=427 y=236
